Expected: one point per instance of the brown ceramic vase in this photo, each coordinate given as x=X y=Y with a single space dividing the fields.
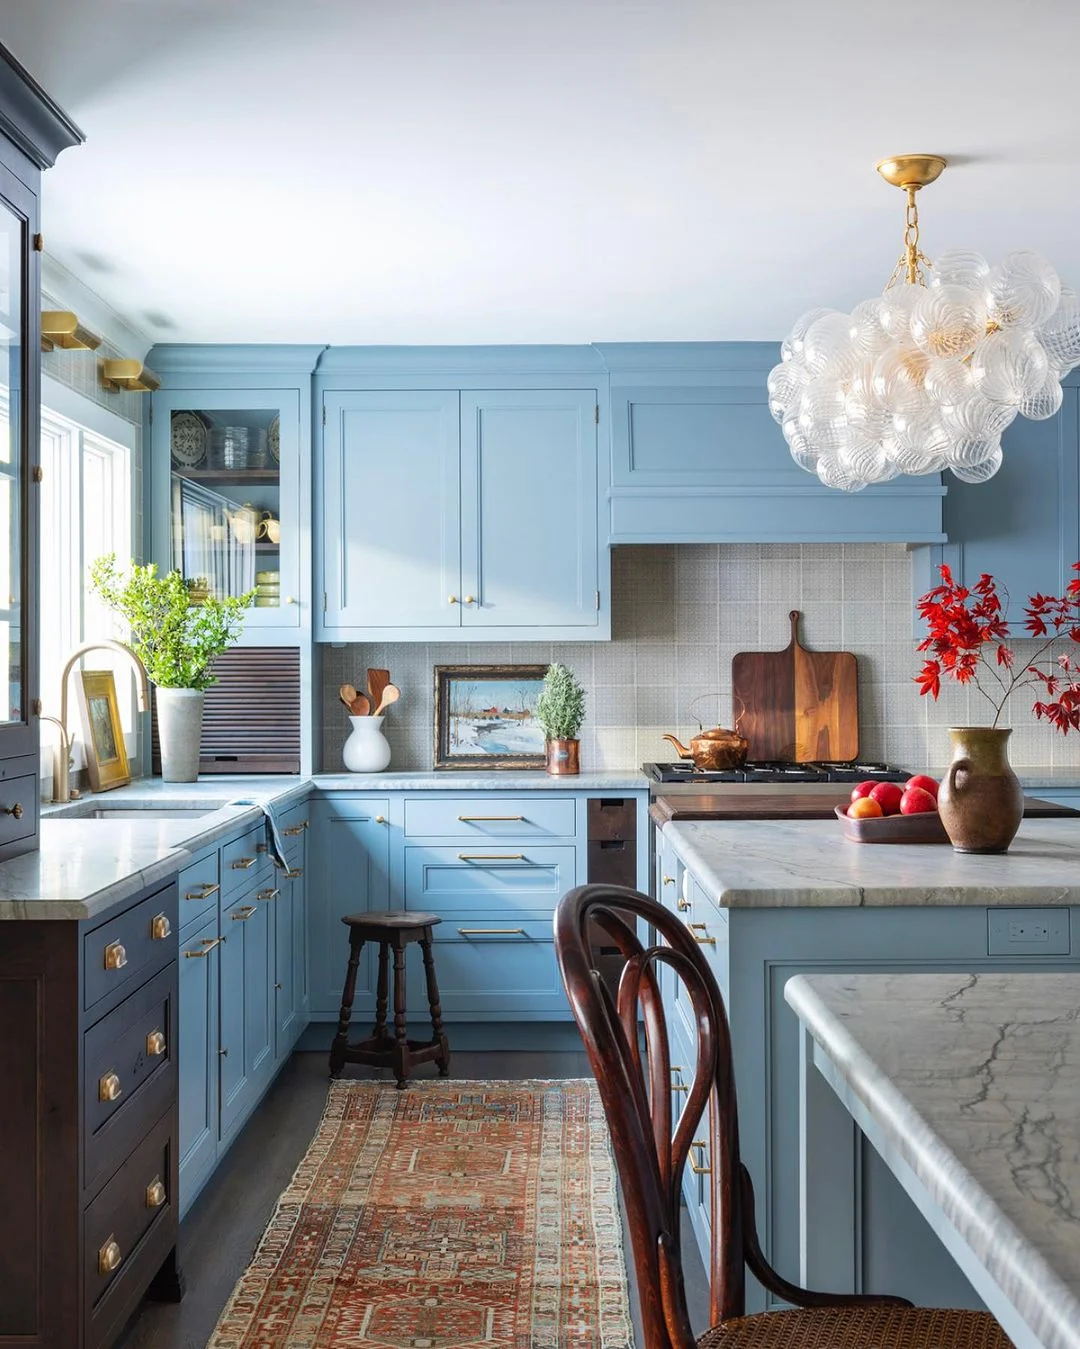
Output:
x=562 y=756
x=981 y=802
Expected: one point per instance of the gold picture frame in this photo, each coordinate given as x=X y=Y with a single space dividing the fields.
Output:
x=103 y=735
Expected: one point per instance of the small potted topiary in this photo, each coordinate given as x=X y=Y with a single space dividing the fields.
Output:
x=560 y=710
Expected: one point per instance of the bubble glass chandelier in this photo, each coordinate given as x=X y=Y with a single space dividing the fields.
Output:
x=926 y=376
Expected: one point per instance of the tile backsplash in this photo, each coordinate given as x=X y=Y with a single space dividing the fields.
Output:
x=679 y=614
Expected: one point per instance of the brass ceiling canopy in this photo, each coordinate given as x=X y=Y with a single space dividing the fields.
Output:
x=911 y=171
x=61 y=328
x=127 y=374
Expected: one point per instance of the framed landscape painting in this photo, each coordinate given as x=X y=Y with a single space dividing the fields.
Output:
x=485 y=716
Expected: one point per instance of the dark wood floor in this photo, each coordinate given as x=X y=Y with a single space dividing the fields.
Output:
x=219 y=1235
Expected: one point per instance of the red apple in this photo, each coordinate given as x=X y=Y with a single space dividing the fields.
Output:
x=928 y=784
x=917 y=801
x=862 y=789
x=887 y=795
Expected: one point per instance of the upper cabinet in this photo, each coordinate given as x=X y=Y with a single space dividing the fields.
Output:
x=696 y=458
x=230 y=478
x=33 y=131
x=454 y=508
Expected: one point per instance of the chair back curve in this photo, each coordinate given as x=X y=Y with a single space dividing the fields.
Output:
x=627 y=1042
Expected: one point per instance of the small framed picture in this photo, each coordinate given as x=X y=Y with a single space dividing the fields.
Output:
x=106 y=756
x=485 y=716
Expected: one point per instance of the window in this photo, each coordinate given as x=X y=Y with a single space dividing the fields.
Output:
x=87 y=455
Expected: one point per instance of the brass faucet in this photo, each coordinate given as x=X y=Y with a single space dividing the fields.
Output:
x=61 y=788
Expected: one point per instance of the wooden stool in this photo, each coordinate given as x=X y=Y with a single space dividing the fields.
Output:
x=393 y=931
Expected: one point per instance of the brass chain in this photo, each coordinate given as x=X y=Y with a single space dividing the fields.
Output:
x=912 y=262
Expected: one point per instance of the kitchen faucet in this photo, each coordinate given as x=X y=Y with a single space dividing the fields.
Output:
x=61 y=787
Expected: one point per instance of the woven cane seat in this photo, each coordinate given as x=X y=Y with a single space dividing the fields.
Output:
x=859 y=1328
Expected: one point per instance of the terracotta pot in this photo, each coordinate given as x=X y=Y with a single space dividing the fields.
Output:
x=981 y=802
x=562 y=756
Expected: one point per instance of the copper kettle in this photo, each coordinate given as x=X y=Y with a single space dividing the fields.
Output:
x=715 y=749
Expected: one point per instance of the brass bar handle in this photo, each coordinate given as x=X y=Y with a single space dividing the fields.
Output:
x=244 y=913
x=160 y=927
x=272 y=893
x=242 y=863
x=491 y=857
x=155 y=1043
x=294 y=873
x=109 y=1257
x=15 y=810
x=115 y=956
x=699 y=1170
x=205 y=893
x=155 y=1193
x=472 y=819
x=492 y=932
x=109 y=1088
x=678 y=1086
x=208 y=944
x=296 y=829
x=703 y=941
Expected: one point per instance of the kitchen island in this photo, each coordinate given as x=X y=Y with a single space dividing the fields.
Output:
x=774 y=899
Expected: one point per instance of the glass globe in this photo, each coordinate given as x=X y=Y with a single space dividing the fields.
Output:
x=948 y=321
x=948 y=382
x=1022 y=291
x=983 y=471
x=833 y=474
x=976 y=418
x=894 y=310
x=865 y=459
x=792 y=345
x=959 y=267
x=899 y=377
x=1046 y=401
x=867 y=417
x=1060 y=334
x=785 y=386
x=821 y=416
x=828 y=348
x=1009 y=366
x=970 y=451
x=865 y=328
x=802 y=451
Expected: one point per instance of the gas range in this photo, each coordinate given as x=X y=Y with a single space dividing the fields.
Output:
x=775 y=773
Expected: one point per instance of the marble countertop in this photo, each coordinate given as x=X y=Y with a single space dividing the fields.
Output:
x=476 y=780
x=809 y=863
x=986 y=1114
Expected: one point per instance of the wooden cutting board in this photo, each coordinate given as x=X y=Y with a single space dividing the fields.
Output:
x=797 y=705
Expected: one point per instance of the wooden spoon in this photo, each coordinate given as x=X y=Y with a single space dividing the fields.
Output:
x=390 y=695
x=377 y=680
x=360 y=705
x=346 y=693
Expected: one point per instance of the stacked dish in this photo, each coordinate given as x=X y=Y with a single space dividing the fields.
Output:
x=267 y=589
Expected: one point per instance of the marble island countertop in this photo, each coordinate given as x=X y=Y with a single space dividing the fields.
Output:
x=809 y=863
x=478 y=780
x=983 y=1117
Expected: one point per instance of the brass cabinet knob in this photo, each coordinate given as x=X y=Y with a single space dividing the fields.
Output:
x=669 y=880
x=279 y=987
x=470 y=599
x=160 y=927
x=224 y=1053
x=290 y=599
x=453 y=599
x=155 y=1193
x=682 y=905
x=15 y=810
x=109 y=1257
x=109 y=1088
x=115 y=956
x=155 y=1043
x=380 y=819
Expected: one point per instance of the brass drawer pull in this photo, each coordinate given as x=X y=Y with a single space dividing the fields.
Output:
x=294 y=873
x=472 y=819
x=15 y=810
x=109 y=1088
x=701 y=941
x=242 y=863
x=699 y=1170
x=678 y=1086
x=160 y=927
x=109 y=1257
x=492 y=931
x=155 y=1193
x=155 y=1043
x=272 y=893
x=208 y=944
x=115 y=956
x=491 y=857
x=296 y=829
x=243 y=914
x=205 y=893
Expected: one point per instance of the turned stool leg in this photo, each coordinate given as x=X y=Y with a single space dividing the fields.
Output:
x=380 y=1032
x=401 y=1043
x=341 y=1039
x=443 y=1059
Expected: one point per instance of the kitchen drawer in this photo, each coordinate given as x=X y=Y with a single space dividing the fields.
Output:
x=484 y=819
x=123 y=1055
x=293 y=829
x=135 y=1198
x=452 y=881
x=245 y=862
x=127 y=949
x=18 y=808
x=199 y=885
x=486 y=965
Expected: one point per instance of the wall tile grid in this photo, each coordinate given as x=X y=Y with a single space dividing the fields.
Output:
x=679 y=615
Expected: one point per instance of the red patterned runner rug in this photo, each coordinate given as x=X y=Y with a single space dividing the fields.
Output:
x=451 y=1215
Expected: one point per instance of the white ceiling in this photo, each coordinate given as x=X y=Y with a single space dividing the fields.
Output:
x=470 y=171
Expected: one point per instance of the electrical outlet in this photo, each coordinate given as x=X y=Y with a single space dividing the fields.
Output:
x=1044 y=931
x=1031 y=929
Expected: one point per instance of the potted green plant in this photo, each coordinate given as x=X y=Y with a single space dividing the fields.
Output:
x=177 y=639
x=560 y=710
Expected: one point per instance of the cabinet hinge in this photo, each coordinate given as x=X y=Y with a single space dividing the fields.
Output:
x=150 y=410
x=38 y=474
x=39 y=243
x=324 y=415
x=596 y=414
x=35 y=707
x=598 y=600
x=324 y=604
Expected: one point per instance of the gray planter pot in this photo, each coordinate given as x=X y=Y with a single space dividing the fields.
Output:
x=179 y=719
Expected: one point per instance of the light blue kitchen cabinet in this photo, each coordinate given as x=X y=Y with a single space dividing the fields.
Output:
x=349 y=872
x=1023 y=526
x=289 y=910
x=447 y=513
x=246 y=1054
x=697 y=458
x=197 y=1027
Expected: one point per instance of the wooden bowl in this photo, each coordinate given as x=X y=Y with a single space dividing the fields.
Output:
x=924 y=828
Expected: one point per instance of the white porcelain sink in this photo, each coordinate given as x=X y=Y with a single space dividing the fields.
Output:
x=131 y=810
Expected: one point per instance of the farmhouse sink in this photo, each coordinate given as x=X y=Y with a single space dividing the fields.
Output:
x=132 y=810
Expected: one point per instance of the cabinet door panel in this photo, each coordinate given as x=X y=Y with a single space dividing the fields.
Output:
x=390 y=527
x=246 y=1023
x=528 y=508
x=282 y=910
x=198 y=1058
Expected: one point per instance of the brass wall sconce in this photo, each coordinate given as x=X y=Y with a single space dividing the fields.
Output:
x=127 y=374
x=61 y=328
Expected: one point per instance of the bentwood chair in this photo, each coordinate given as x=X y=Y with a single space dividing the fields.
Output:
x=627 y=1044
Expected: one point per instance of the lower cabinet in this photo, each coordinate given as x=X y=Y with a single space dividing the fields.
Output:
x=199 y=980
x=247 y=1031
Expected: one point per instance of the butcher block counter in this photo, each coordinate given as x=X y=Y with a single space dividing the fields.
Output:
x=790 y=805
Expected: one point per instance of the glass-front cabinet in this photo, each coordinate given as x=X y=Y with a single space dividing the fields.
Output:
x=16 y=646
